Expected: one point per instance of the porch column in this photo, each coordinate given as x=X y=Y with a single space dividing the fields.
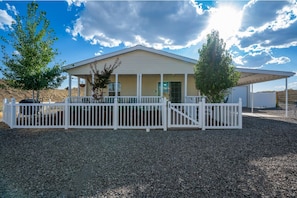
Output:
x=93 y=80
x=186 y=87
x=139 y=86
x=85 y=91
x=116 y=85
x=78 y=86
x=139 y=83
x=252 y=100
x=69 y=84
x=161 y=85
x=286 y=97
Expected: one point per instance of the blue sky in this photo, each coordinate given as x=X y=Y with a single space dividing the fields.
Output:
x=258 y=34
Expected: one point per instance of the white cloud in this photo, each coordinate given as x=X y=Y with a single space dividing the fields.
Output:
x=160 y=24
x=291 y=85
x=99 y=53
x=259 y=59
x=260 y=27
x=268 y=25
x=265 y=27
x=238 y=60
x=77 y=3
x=12 y=9
x=5 y=19
x=259 y=13
x=279 y=60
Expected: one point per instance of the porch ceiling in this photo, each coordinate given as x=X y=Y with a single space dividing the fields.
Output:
x=250 y=76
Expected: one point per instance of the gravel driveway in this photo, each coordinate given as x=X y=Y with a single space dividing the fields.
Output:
x=258 y=161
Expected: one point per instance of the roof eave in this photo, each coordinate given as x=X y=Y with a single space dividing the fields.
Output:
x=269 y=72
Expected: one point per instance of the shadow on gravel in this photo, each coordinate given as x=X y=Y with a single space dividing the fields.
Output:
x=259 y=160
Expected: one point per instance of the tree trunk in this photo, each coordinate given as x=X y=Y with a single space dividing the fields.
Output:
x=37 y=95
x=33 y=95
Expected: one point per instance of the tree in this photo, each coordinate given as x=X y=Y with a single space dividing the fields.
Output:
x=32 y=40
x=102 y=78
x=214 y=72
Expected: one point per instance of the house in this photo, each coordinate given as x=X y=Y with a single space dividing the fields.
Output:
x=139 y=86
x=150 y=72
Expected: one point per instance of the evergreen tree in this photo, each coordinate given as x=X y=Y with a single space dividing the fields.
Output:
x=32 y=40
x=214 y=72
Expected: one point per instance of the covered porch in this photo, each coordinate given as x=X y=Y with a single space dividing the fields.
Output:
x=147 y=72
x=177 y=88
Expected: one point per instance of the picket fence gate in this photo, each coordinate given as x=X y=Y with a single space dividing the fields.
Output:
x=160 y=114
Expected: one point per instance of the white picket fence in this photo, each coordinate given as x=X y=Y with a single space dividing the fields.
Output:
x=205 y=115
x=119 y=114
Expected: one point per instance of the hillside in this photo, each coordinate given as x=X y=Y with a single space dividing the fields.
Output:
x=55 y=95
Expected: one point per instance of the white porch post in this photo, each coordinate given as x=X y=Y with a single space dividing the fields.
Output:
x=116 y=85
x=252 y=100
x=186 y=87
x=78 y=86
x=286 y=97
x=137 y=86
x=161 y=85
x=93 y=80
x=140 y=87
x=69 y=84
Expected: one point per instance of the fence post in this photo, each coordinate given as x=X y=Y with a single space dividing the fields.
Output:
x=115 y=114
x=4 y=110
x=13 y=112
x=240 y=113
x=203 y=114
x=67 y=113
x=168 y=114
x=164 y=114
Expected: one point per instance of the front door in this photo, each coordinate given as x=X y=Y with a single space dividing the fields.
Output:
x=175 y=92
x=171 y=90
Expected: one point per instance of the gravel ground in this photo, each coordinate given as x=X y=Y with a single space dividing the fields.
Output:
x=258 y=161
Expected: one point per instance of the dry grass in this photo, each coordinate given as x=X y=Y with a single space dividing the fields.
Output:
x=55 y=95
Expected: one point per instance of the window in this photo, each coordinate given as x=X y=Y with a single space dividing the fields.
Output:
x=112 y=89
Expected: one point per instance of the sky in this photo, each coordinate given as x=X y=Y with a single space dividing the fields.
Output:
x=258 y=34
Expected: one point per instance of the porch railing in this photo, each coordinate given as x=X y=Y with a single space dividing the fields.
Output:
x=120 y=99
x=193 y=99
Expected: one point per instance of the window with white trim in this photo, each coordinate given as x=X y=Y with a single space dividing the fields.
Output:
x=112 y=89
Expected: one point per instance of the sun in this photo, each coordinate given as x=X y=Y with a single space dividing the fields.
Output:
x=225 y=19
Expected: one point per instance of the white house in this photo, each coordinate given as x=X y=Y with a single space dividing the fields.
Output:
x=135 y=96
